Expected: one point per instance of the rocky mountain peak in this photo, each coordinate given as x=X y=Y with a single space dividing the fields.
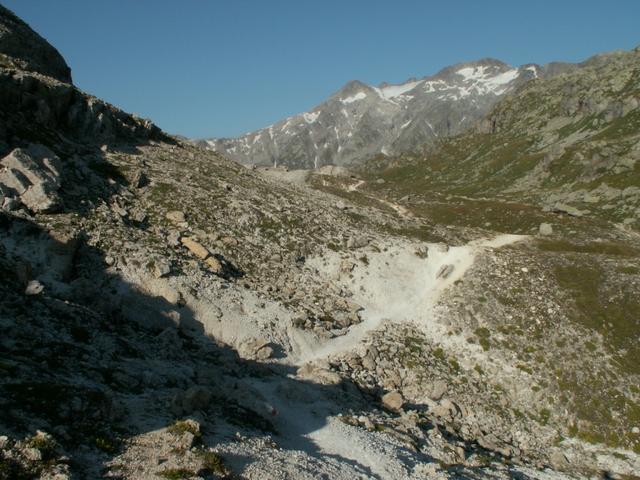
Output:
x=21 y=47
x=353 y=86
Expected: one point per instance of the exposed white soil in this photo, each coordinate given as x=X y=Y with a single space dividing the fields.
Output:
x=397 y=285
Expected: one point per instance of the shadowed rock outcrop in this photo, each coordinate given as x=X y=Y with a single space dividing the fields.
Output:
x=21 y=47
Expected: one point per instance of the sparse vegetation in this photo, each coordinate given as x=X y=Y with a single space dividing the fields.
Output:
x=213 y=463
x=176 y=473
x=181 y=427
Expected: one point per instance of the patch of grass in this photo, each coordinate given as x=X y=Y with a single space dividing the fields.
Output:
x=161 y=192
x=483 y=335
x=584 y=283
x=602 y=248
x=629 y=270
x=524 y=368
x=46 y=445
x=181 y=427
x=213 y=463
x=176 y=473
x=438 y=353
x=334 y=247
x=106 y=444
x=414 y=344
x=455 y=366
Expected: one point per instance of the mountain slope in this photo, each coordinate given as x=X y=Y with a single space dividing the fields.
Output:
x=571 y=139
x=360 y=121
x=168 y=313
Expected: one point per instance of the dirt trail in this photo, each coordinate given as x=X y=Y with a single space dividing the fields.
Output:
x=399 y=209
x=396 y=285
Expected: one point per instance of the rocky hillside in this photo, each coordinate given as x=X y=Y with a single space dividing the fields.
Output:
x=361 y=121
x=169 y=313
x=569 y=143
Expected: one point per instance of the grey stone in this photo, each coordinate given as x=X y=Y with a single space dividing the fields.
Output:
x=357 y=242
x=545 y=229
x=34 y=287
x=191 y=400
x=558 y=460
x=392 y=400
x=568 y=209
x=438 y=390
x=10 y=204
x=264 y=353
x=40 y=198
x=170 y=294
x=445 y=410
x=140 y=180
x=176 y=216
x=161 y=267
x=14 y=180
x=445 y=271
x=173 y=238
x=34 y=174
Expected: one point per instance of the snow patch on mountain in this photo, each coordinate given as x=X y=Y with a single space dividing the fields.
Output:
x=311 y=117
x=393 y=91
x=533 y=70
x=484 y=81
x=354 y=98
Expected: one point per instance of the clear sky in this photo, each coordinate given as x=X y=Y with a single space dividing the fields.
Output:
x=213 y=68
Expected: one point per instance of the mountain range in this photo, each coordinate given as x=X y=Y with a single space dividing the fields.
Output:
x=361 y=121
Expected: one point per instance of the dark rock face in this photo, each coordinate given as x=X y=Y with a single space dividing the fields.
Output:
x=40 y=109
x=24 y=49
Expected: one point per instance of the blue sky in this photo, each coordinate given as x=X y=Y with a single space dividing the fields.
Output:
x=205 y=68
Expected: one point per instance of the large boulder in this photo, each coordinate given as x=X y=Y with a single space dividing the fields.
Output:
x=392 y=400
x=22 y=48
x=34 y=175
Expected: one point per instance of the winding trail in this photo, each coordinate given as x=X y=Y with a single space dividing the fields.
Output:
x=396 y=286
